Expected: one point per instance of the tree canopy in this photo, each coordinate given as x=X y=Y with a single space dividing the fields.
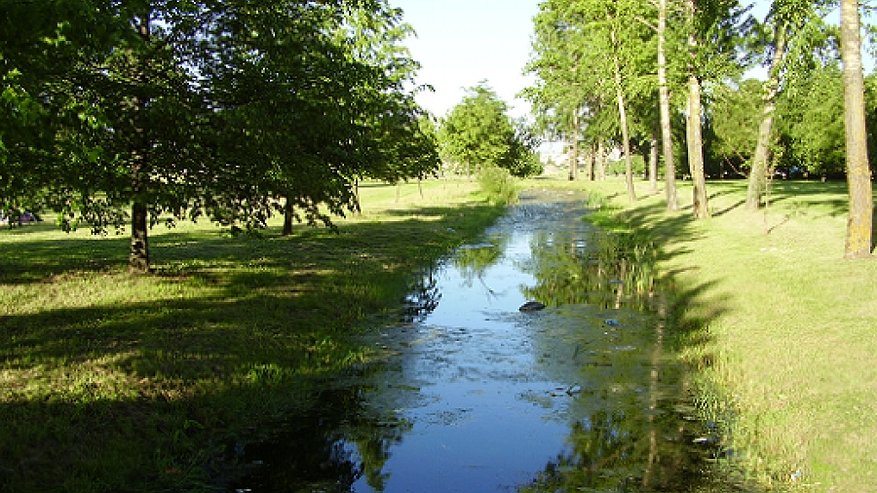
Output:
x=478 y=133
x=152 y=111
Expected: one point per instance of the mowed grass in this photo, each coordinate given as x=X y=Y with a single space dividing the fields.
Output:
x=786 y=355
x=116 y=382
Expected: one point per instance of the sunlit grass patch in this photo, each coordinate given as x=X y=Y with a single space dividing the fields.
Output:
x=113 y=382
x=785 y=365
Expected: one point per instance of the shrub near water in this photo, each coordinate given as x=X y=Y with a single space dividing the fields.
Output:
x=498 y=185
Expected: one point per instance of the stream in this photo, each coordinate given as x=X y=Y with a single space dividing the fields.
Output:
x=474 y=395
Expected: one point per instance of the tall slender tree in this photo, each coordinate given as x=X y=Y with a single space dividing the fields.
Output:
x=795 y=29
x=664 y=102
x=694 y=117
x=859 y=239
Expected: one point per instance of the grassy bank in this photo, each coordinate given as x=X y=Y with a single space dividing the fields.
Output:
x=113 y=382
x=785 y=357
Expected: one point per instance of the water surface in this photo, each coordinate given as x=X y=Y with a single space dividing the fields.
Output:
x=473 y=395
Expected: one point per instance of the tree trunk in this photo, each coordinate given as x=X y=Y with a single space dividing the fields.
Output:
x=288 y=216
x=859 y=224
x=358 y=210
x=589 y=163
x=664 y=96
x=138 y=254
x=695 y=149
x=758 y=170
x=574 y=148
x=138 y=257
x=695 y=129
x=625 y=129
x=601 y=162
x=653 y=163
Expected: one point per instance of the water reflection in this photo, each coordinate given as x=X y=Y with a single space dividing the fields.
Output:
x=607 y=270
x=475 y=396
x=338 y=443
x=423 y=297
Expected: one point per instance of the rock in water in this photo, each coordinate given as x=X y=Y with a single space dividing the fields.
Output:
x=531 y=306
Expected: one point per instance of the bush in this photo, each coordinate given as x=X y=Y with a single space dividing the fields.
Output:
x=498 y=185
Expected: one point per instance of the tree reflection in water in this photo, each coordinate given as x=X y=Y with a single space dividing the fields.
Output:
x=472 y=261
x=328 y=449
x=423 y=297
x=627 y=434
x=609 y=270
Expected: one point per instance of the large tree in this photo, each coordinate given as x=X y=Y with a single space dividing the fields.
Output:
x=714 y=28
x=590 y=57
x=557 y=97
x=478 y=134
x=180 y=108
x=859 y=225
x=311 y=136
x=734 y=116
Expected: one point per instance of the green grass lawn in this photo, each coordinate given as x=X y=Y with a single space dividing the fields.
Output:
x=117 y=382
x=786 y=355
x=113 y=382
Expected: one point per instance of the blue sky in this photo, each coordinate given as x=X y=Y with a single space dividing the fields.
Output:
x=461 y=42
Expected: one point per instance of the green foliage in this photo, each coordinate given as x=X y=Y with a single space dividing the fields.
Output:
x=498 y=185
x=478 y=134
x=184 y=108
x=813 y=133
x=618 y=168
x=734 y=118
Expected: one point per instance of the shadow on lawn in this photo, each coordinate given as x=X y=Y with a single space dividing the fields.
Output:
x=165 y=394
x=692 y=305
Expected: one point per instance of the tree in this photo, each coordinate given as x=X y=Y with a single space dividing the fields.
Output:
x=314 y=137
x=859 y=234
x=735 y=121
x=477 y=134
x=589 y=59
x=664 y=103
x=694 y=119
x=557 y=96
x=795 y=31
x=180 y=109
x=811 y=136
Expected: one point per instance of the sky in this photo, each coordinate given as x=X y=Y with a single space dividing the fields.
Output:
x=462 y=42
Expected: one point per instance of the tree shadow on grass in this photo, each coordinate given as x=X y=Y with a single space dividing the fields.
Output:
x=155 y=382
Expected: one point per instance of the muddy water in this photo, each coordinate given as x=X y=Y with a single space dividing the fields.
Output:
x=473 y=395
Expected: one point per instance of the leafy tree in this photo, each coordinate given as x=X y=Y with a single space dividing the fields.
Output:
x=813 y=134
x=180 y=108
x=557 y=97
x=734 y=115
x=589 y=57
x=713 y=40
x=477 y=134
x=795 y=29
x=313 y=136
x=663 y=10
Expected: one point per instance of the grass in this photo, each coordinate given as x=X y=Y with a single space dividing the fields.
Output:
x=114 y=382
x=785 y=338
